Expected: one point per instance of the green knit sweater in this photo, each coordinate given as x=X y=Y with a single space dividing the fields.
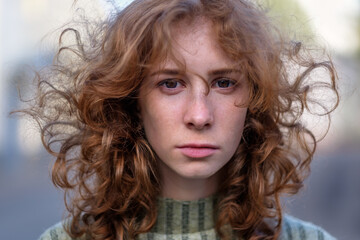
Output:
x=192 y=220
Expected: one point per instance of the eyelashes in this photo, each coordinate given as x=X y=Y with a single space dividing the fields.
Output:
x=224 y=83
x=171 y=86
x=173 y=83
x=170 y=83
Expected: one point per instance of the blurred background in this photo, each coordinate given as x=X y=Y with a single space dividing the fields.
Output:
x=28 y=30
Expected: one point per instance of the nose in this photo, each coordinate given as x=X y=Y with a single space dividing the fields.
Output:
x=199 y=113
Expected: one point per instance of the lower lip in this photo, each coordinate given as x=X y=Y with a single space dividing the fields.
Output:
x=193 y=152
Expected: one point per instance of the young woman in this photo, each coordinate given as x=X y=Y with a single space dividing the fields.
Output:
x=181 y=120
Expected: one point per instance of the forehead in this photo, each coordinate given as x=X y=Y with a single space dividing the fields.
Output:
x=193 y=42
x=190 y=36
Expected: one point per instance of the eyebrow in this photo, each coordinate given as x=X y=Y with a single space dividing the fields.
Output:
x=166 y=71
x=222 y=71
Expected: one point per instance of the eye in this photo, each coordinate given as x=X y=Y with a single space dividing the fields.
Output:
x=223 y=83
x=169 y=83
x=171 y=86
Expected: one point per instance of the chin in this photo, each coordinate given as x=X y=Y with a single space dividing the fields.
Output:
x=203 y=174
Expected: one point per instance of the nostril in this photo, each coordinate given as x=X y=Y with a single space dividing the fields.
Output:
x=199 y=114
x=199 y=121
x=198 y=126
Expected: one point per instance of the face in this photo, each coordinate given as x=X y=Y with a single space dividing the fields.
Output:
x=190 y=115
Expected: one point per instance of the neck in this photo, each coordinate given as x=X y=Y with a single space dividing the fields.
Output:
x=181 y=188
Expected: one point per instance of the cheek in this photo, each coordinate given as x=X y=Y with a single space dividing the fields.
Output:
x=234 y=126
x=158 y=120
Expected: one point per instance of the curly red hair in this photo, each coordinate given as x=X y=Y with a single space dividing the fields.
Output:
x=87 y=111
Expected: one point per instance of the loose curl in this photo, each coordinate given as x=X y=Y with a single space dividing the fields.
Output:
x=86 y=107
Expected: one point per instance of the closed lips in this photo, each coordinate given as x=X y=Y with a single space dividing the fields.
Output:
x=198 y=150
x=199 y=146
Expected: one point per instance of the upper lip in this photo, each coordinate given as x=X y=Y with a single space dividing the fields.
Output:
x=198 y=145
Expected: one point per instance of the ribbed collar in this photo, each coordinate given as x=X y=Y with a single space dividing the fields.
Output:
x=184 y=217
x=186 y=220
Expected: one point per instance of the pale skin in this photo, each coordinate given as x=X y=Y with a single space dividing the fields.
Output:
x=193 y=131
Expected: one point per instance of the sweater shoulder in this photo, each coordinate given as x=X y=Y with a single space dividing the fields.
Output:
x=292 y=229
x=296 y=229
x=57 y=232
